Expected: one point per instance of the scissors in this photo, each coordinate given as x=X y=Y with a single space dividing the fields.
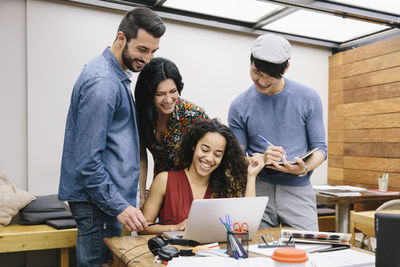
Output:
x=240 y=228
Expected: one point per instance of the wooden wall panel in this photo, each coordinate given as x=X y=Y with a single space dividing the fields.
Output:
x=370 y=107
x=372 y=164
x=335 y=97
x=335 y=148
x=381 y=91
x=364 y=115
x=335 y=161
x=371 y=135
x=372 y=78
x=371 y=178
x=371 y=50
x=370 y=65
x=335 y=136
x=382 y=150
x=391 y=120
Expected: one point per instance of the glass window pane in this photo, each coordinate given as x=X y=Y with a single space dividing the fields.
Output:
x=390 y=6
x=323 y=26
x=243 y=10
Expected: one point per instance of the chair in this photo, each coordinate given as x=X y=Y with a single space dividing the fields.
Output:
x=393 y=204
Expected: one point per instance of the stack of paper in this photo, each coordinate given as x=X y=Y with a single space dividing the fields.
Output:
x=340 y=258
x=376 y=191
x=339 y=191
x=306 y=247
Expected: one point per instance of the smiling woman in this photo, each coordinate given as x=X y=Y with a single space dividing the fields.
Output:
x=211 y=165
x=163 y=116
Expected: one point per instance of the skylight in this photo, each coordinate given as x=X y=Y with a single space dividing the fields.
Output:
x=390 y=6
x=323 y=26
x=242 y=10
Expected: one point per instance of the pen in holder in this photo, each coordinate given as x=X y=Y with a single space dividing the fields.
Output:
x=237 y=244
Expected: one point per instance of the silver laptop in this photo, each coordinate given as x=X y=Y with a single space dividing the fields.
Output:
x=204 y=225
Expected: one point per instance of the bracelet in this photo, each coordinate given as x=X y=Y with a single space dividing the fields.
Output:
x=304 y=172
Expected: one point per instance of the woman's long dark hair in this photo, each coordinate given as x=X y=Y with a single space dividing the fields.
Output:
x=158 y=70
x=230 y=178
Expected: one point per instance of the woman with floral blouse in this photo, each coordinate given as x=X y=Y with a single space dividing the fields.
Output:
x=163 y=116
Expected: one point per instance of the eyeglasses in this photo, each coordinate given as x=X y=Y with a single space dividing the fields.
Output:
x=267 y=241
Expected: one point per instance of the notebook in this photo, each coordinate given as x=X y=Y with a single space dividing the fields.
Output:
x=302 y=157
x=387 y=233
x=204 y=225
x=61 y=223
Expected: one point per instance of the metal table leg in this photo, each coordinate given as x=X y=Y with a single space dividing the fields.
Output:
x=342 y=219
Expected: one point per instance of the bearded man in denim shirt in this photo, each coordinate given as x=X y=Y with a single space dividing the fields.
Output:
x=101 y=159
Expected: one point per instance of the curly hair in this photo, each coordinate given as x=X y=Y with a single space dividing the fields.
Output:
x=229 y=179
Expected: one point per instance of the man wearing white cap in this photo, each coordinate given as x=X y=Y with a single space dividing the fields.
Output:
x=281 y=119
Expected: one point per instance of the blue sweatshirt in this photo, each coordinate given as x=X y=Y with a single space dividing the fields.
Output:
x=291 y=118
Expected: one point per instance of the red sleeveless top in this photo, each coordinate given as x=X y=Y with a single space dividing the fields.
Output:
x=178 y=197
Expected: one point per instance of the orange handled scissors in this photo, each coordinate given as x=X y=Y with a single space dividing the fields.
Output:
x=240 y=228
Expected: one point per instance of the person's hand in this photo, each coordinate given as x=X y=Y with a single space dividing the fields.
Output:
x=298 y=168
x=132 y=219
x=256 y=163
x=179 y=227
x=274 y=154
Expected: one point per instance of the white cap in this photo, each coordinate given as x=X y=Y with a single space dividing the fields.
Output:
x=271 y=48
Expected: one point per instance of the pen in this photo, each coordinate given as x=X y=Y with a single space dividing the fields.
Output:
x=330 y=249
x=265 y=140
x=226 y=227
x=170 y=220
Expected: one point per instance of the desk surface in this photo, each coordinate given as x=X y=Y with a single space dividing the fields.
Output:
x=365 y=197
x=138 y=246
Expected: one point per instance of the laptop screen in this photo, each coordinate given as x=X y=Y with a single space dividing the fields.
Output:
x=387 y=233
x=204 y=225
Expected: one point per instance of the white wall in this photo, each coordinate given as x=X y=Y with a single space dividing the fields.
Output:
x=13 y=129
x=61 y=37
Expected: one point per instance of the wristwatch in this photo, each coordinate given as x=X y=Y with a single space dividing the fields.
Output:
x=305 y=171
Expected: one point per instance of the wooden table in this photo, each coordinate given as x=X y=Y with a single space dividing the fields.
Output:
x=364 y=221
x=343 y=206
x=139 y=255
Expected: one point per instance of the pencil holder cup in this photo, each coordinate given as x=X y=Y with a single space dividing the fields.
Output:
x=382 y=184
x=237 y=244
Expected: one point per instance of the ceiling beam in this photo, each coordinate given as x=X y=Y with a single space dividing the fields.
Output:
x=269 y=18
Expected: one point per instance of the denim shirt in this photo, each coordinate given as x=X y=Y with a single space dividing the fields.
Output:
x=101 y=159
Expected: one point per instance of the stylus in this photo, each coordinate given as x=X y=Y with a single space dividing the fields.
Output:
x=331 y=249
x=170 y=220
x=265 y=140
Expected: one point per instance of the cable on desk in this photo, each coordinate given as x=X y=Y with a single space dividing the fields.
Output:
x=124 y=254
x=138 y=256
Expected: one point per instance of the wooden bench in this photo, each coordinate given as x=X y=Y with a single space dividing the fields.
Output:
x=14 y=238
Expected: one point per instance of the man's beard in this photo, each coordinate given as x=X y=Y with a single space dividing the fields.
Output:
x=128 y=62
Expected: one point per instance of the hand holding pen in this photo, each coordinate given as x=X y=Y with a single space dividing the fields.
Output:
x=272 y=153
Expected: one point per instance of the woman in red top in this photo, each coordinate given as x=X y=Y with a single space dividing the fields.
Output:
x=211 y=165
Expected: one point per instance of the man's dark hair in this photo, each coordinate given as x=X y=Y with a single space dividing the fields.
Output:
x=141 y=18
x=271 y=69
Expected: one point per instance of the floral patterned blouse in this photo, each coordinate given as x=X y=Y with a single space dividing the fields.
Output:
x=185 y=113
